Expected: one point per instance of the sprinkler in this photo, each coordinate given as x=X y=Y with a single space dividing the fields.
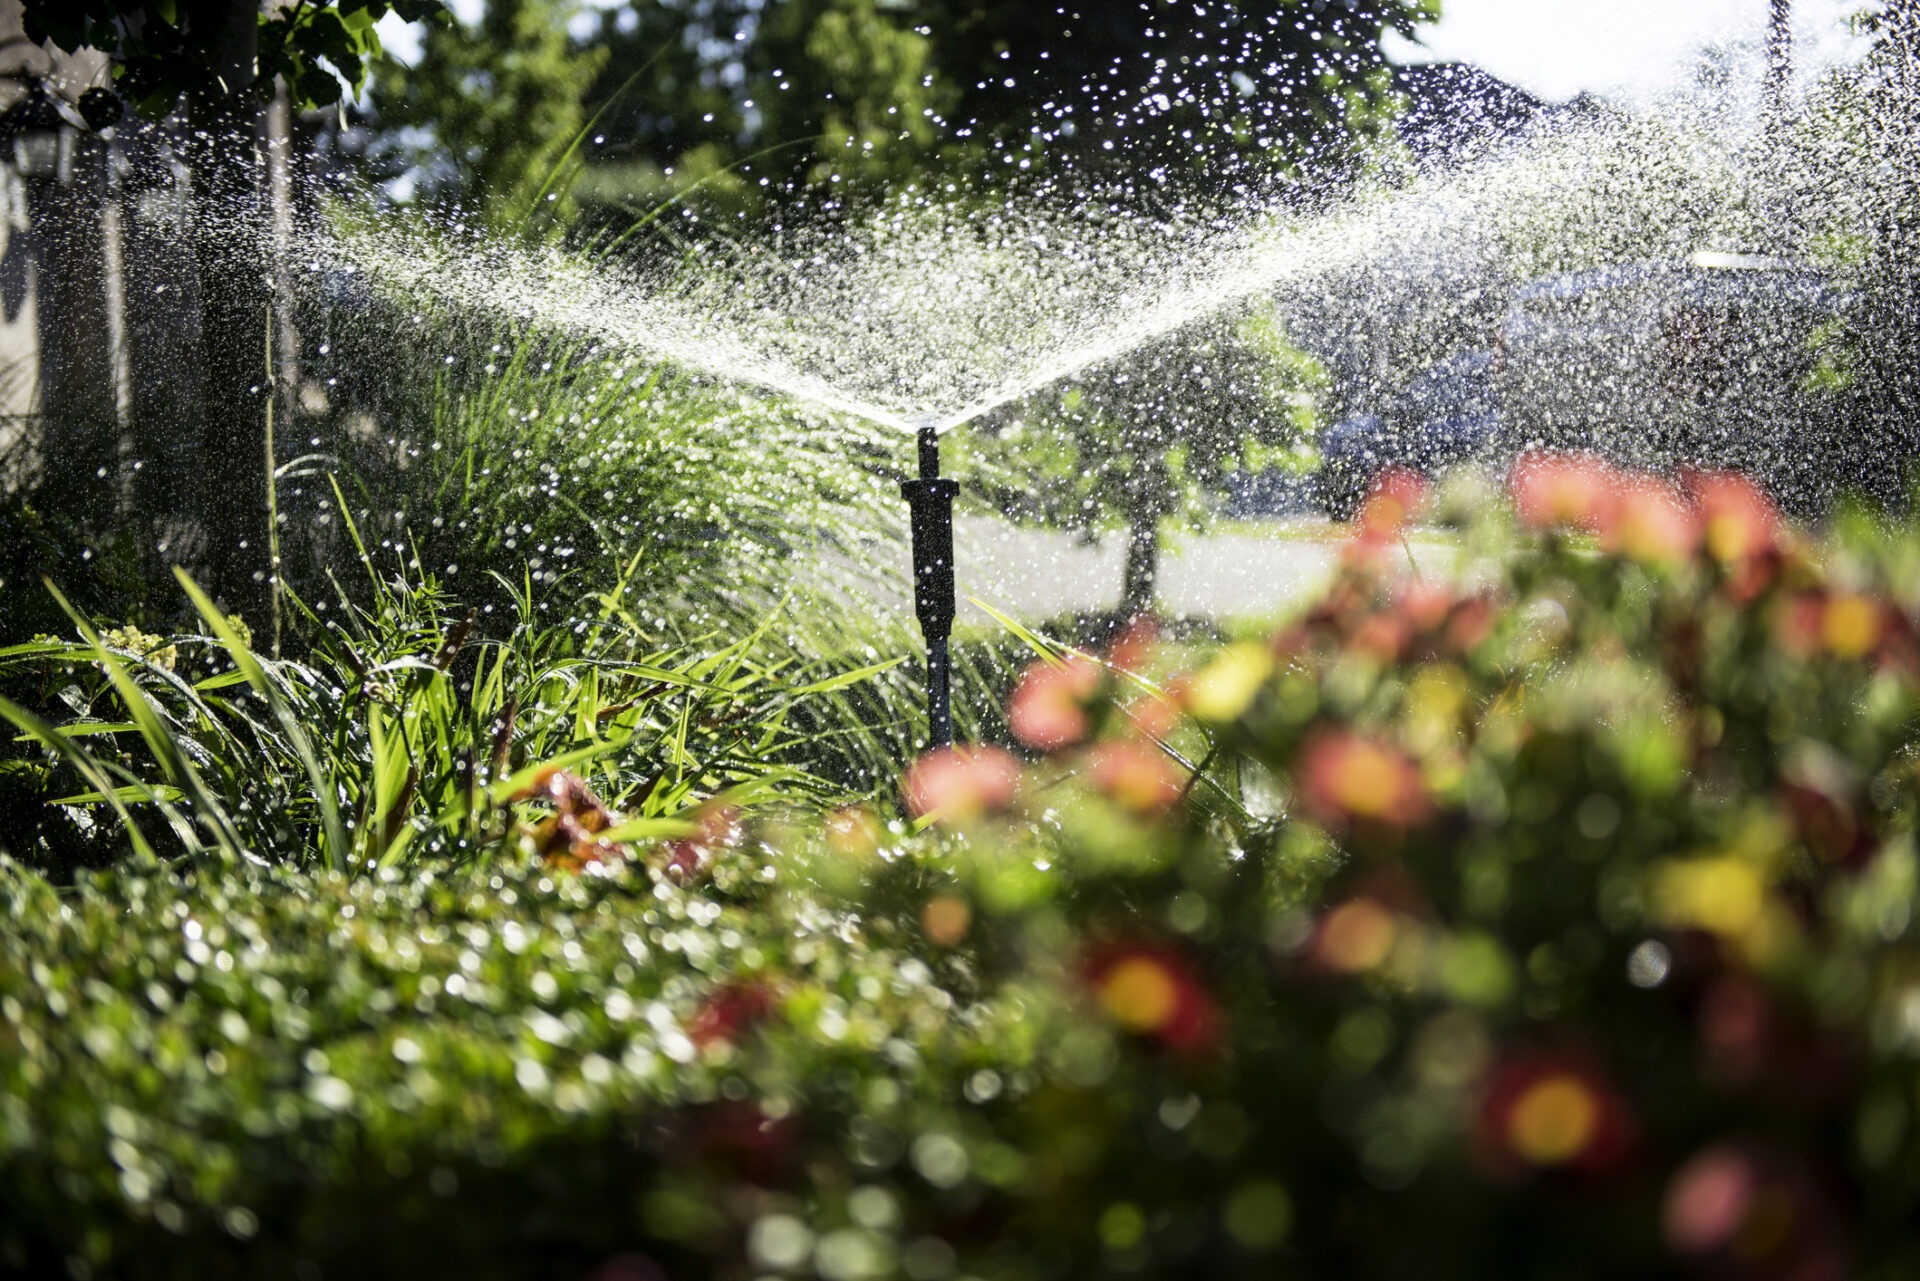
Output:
x=931 y=500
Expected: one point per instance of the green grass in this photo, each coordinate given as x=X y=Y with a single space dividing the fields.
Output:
x=399 y=735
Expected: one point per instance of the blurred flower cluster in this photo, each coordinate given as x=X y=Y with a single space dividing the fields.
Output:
x=1578 y=940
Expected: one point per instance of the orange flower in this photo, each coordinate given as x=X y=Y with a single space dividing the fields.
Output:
x=957 y=785
x=1136 y=776
x=1150 y=990
x=1395 y=495
x=1356 y=937
x=1739 y=520
x=1547 y=1111
x=570 y=837
x=1344 y=779
x=1652 y=522
x=1851 y=625
x=946 y=919
x=854 y=830
x=1048 y=710
x=1576 y=491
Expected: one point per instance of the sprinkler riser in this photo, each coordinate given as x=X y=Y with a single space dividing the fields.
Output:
x=930 y=504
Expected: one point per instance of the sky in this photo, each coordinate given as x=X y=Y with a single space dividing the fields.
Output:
x=1559 y=48
x=1552 y=48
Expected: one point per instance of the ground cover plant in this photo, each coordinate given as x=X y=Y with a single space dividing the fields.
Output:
x=1551 y=919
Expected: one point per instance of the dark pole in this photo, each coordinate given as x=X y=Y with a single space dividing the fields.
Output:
x=931 y=502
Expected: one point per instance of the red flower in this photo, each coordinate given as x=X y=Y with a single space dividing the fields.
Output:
x=1150 y=989
x=738 y=1136
x=1576 y=491
x=1546 y=1111
x=1826 y=822
x=717 y=826
x=1048 y=710
x=1136 y=776
x=729 y=1011
x=962 y=784
x=1346 y=779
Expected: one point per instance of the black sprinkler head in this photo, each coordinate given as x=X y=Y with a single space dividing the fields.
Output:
x=930 y=500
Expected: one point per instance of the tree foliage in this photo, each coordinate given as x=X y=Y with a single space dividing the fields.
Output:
x=493 y=107
x=163 y=50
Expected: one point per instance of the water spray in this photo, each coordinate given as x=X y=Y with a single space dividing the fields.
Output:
x=930 y=499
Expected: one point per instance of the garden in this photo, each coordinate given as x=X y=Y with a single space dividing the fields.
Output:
x=516 y=842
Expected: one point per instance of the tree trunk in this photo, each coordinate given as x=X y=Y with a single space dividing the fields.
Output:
x=1889 y=439
x=79 y=384
x=1779 y=71
x=164 y=350
x=230 y=258
x=1147 y=501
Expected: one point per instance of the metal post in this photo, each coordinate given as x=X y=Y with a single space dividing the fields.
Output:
x=930 y=499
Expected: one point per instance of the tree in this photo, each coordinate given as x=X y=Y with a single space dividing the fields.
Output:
x=1156 y=98
x=220 y=60
x=496 y=105
x=1128 y=448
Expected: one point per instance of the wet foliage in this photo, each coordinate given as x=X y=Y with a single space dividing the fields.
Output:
x=1550 y=917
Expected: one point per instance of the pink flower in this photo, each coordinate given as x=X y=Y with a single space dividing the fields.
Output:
x=1576 y=491
x=1048 y=710
x=1137 y=776
x=958 y=785
x=1346 y=779
x=1748 y=1212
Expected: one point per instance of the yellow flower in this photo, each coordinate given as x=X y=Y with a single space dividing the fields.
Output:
x=1223 y=689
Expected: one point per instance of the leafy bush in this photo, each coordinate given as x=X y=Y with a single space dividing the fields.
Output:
x=1553 y=919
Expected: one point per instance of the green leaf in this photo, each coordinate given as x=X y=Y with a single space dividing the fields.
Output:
x=160 y=740
x=130 y=794
x=506 y=787
x=334 y=833
x=317 y=87
x=49 y=736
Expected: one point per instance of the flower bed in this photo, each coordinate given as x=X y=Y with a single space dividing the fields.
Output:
x=1573 y=938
